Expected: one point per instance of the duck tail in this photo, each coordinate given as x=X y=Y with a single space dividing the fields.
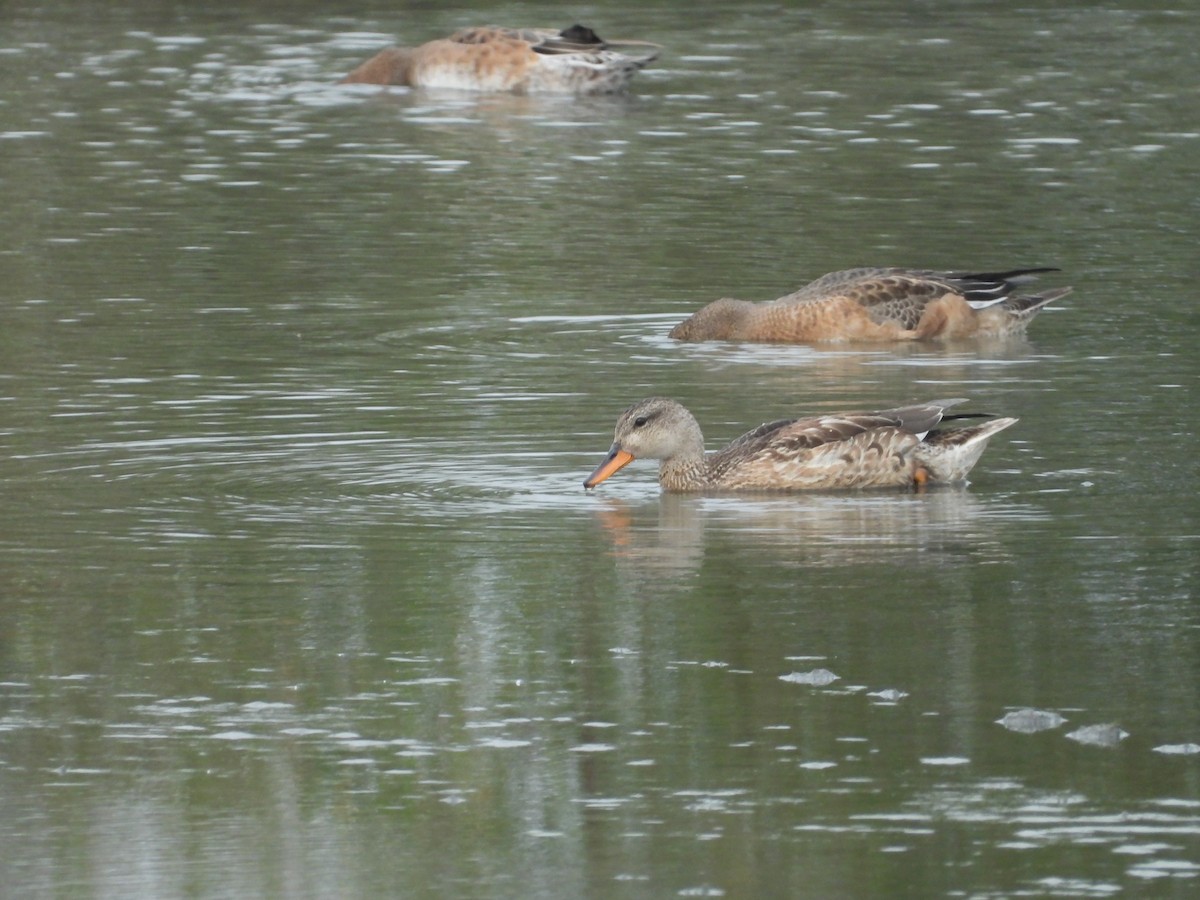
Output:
x=984 y=289
x=1026 y=307
x=951 y=453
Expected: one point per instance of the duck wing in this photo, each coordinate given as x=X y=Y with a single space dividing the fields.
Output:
x=576 y=39
x=796 y=435
x=494 y=34
x=899 y=296
x=831 y=451
x=815 y=431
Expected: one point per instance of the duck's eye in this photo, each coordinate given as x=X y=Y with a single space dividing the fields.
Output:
x=639 y=421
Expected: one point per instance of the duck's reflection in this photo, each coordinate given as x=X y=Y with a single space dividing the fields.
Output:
x=854 y=364
x=669 y=538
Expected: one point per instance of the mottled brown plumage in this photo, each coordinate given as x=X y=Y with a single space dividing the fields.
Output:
x=875 y=304
x=891 y=447
x=522 y=60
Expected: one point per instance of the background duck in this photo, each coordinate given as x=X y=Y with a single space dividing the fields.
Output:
x=523 y=60
x=892 y=447
x=878 y=304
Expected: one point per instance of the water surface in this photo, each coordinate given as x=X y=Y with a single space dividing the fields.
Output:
x=302 y=596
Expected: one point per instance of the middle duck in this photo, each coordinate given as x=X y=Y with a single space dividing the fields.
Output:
x=890 y=447
x=878 y=304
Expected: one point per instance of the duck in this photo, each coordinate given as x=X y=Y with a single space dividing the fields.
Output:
x=878 y=304
x=889 y=448
x=574 y=60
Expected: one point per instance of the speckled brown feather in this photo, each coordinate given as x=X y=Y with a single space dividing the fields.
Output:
x=812 y=454
x=876 y=305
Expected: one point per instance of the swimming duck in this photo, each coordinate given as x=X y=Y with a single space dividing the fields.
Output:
x=892 y=447
x=522 y=60
x=877 y=304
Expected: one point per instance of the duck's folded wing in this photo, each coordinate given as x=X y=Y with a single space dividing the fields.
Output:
x=857 y=450
x=493 y=34
x=796 y=435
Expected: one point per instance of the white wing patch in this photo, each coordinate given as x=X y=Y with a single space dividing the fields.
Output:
x=984 y=304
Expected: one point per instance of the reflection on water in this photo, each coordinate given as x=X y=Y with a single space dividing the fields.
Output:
x=299 y=590
x=943 y=528
x=405 y=743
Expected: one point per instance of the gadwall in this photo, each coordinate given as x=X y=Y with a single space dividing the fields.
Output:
x=522 y=60
x=877 y=305
x=891 y=447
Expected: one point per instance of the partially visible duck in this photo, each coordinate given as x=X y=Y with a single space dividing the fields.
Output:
x=522 y=60
x=892 y=447
x=877 y=304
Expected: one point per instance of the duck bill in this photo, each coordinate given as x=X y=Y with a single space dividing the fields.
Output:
x=616 y=460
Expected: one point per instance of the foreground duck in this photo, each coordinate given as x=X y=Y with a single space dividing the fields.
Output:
x=878 y=305
x=892 y=447
x=522 y=60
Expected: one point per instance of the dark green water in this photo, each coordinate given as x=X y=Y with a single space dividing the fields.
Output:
x=299 y=591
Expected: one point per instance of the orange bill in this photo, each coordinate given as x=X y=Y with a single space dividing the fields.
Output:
x=616 y=460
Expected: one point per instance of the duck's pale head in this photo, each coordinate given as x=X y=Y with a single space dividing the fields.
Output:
x=656 y=428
